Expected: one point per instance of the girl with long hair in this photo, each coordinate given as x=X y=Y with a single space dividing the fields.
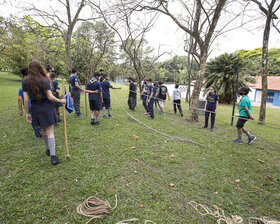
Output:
x=211 y=106
x=37 y=87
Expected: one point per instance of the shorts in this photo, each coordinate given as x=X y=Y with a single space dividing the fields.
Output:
x=240 y=123
x=106 y=103
x=161 y=103
x=43 y=113
x=95 y=105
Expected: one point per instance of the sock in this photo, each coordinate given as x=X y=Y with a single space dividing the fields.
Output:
x=109 y=111
x=52 y=146
x=92 y=116
x=239 y=136
x=97 y=118
x=46 y=141
x=104 y=112
x=248 y=134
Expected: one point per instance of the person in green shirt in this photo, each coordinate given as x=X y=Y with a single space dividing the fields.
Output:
x=245 y=114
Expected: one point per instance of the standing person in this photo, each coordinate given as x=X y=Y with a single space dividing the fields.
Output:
x=76 y=88
x=212 y=102
x=156 y=90
x=176 y=98
x=105 y=85
x=163 y=91
x=245 y=113
x=132 y=94
x=49 y=69
x=55 y=90
x=151 y=98
x=37 y=129
x=145 y=90
x=95 y=97
x=136 y=93
x=37 y=87
x=101 y=72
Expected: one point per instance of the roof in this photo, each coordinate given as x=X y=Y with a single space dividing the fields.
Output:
x=273 y=83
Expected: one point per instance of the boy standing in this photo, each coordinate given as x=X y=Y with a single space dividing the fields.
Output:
x=163 y=91
x=105 y=85
x=145 y=90
x=75 y=86
x=151 y=98
x=176 y=97
x=132 y=94
x=95 y=97
x=245 y=113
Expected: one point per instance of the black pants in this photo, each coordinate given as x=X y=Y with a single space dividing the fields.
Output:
x=178 y=104
x=131 y=103
x=151 y=108
x=76 y=97
x=213 y=115
x=145 y=103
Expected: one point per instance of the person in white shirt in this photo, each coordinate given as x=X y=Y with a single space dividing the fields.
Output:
x=176 y=98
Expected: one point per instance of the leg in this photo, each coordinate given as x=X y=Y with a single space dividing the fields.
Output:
x=206 y=119
x=213 y=115
x=251 y=138
x=179 y=107
x=76 y=97
x=133 y=103
x=104 y=111
x=174 y=107
x=151 y=108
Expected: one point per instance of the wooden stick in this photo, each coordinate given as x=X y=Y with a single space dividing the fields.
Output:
x=64 y=123
x=86 y=97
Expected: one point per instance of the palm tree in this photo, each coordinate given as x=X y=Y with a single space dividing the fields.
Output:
x=221 y=73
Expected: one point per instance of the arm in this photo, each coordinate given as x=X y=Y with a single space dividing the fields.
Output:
x=78 y=87
x=26 y=107
x=152 y=93
x=101 y=96
x=168 y=95
x=51 y=97
x=20 y=105
x=248 y=113
x=91 y=91
x=217 y=106
x=116 y=87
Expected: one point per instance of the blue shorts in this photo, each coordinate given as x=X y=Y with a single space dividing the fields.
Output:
x=106 y=103
x=95 y=105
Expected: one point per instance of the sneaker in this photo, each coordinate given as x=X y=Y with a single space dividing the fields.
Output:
x=182 y=115
x=97 y=123
x=48 y=152
x=151 y=118
x=237 y=141
x=212 y=129
x=79 y=115
x=251 y=139
x=55 y=160
x=109 y=115
x=204 y=127
x=104 y=116
x=174 y=112
x=146 y=113
x=92 y=121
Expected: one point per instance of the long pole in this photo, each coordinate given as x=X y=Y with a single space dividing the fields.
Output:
x=64 y=124
x=235 y=95
x=86 y=96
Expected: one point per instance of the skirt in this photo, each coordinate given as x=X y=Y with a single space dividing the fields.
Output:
x=43 y=113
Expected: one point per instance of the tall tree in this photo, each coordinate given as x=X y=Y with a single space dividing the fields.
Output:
x=198 y=19
x=269 y=11
x=62 y=20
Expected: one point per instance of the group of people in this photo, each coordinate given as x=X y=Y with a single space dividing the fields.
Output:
x=39 y=95
x=157 y=93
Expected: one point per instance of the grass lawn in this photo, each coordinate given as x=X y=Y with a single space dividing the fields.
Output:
x=108 y=160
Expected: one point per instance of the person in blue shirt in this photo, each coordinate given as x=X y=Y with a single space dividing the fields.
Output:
x=37 y=87
x=55 y=90
x=151 y=98
x=76 y=88
x=95 y=97
x=145 y=90
x=37 y=129
x=211 y=105
x=131 y=95
x=105 y=85
x=245 y=113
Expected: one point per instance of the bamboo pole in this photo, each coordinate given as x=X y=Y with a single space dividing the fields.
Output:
x=86 y=96
x=65 y=128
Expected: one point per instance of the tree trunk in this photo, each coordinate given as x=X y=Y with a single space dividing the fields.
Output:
x=197 y=88
x=264 y=61
x=68 y=51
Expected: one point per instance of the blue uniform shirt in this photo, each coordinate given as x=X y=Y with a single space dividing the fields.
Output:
x=212 y=99
x=42 y=92
x=93 y=85
x=20 y=93
x=152 y=89
x=105 y=85
x=72 y=79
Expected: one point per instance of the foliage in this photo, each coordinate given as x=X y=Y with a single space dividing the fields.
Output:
x=221 y=73
x=253 y=59
x=93 y=47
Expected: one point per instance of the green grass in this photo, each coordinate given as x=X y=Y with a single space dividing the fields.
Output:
x=103 y=163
